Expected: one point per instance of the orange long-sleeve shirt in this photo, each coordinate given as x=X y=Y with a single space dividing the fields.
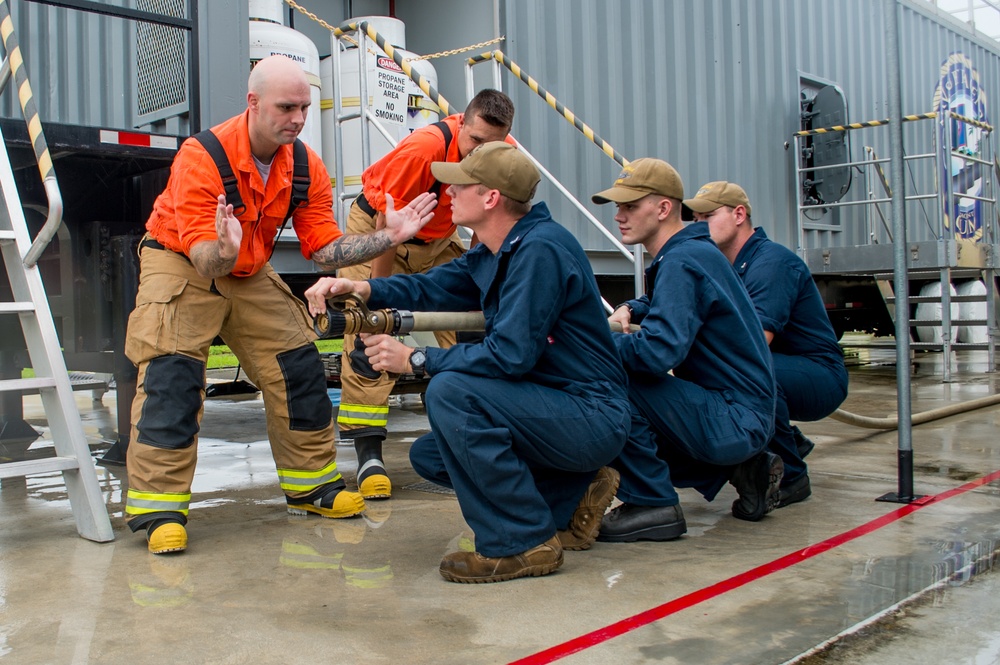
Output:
x=184 y=214
x=405 y=173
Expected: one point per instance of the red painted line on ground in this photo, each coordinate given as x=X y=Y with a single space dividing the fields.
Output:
x=707 y=593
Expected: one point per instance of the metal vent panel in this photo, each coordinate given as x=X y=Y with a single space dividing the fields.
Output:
x=161 y=64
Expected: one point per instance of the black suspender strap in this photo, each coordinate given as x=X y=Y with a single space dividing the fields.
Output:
x=446 y=132
x=229 y=182
x=300 y=178
x=300 y=185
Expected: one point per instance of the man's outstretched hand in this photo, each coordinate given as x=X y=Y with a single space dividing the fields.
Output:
x=403 y=224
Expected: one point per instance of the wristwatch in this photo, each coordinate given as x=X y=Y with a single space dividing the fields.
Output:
x=417 y=361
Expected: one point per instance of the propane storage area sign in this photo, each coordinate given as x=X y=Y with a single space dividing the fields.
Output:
x=389 y=96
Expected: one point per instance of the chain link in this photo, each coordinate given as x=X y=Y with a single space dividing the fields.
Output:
x=441 y=54
x=456 y=51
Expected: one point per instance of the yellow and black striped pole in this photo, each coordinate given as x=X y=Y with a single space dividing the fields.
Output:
x=500 y=57
x=970 y=121
x=878 y=169
x=397 y=57
x=861 y=125
x=35 y=135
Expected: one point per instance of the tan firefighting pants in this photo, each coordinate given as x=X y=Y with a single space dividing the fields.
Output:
x=178 y=313
x=364 y=402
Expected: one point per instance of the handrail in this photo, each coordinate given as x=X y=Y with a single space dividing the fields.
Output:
x=591 y=135
x=634 y=255
x=15 y=63
x=885 y=121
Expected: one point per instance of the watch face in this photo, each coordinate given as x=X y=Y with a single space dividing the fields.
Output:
x=417 y=359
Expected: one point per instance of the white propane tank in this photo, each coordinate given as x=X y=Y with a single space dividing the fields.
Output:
x=972 y=310
x=419 y=110
x=932 y=311
x=269 y=37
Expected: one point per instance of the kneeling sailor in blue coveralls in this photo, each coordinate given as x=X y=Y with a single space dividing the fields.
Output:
x=809 y=366
x=523 y=422
x=700 y=378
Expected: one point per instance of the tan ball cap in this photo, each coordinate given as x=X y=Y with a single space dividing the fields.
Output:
x=640 y=178
x=716 y=194
x=497 y=165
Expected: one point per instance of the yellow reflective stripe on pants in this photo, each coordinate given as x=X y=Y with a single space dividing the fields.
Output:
x=361 y=414
x=297 y=555
x=367 y=578
x=295 y=480
x=142 y=503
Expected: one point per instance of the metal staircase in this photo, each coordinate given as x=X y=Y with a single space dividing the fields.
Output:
x=30 y=304
x=851 y=237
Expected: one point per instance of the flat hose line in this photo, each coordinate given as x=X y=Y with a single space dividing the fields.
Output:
x=892 y=422
x=474 y=321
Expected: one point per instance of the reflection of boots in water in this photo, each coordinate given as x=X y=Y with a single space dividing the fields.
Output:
x=305 y=556
x=367 y=574
x=373 y=480
x=377 y=514
x=168 y=584
x=463 y=542
x=321 y=547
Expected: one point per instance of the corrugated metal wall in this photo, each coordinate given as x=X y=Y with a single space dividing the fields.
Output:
x=713 y=87
x=79 y=64
x=82 y=66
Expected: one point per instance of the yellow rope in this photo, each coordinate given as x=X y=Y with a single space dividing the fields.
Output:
x=441 y=54
x=456 y=51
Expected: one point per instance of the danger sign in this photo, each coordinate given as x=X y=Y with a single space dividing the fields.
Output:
x=389 y=97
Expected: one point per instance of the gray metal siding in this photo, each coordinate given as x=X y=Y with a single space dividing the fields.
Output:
x=79 y=65
x=713 y=87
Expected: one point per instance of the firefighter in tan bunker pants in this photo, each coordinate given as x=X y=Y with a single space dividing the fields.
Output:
x=205 y=271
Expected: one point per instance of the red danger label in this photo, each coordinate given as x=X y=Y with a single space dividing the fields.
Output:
x=388 y=63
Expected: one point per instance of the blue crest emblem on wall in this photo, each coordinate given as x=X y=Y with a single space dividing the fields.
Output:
x=959 y=91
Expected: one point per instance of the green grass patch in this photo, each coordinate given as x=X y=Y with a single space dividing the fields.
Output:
x=221 y=357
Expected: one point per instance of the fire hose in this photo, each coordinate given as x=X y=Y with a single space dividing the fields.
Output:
x=892 y=422
x=347 y=314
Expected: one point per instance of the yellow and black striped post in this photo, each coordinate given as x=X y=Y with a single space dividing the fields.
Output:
x=881 y=173
x=500 y=57
x=415 y=76
x=30 y=112
x=970 y=121
x=861 y=125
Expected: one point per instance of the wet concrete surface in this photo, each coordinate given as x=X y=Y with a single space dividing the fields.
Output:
x=260 y=586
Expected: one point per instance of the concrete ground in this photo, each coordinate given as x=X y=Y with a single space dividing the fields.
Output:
x=839 y=578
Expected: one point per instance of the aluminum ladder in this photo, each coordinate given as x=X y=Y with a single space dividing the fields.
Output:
x=30 y=304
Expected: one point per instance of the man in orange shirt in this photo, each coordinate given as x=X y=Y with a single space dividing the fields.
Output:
x=205 y=271
x=403 y=174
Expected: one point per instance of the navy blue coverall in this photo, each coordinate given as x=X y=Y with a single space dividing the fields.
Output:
x=808 y=363
x=522 y=420
x=717 y=409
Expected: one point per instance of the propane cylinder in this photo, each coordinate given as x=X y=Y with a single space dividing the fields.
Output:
x=268 y=36
x=419 y=110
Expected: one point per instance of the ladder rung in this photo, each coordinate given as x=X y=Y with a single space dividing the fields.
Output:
x=955 y=322
x=916 y=346
x=937 y=299
x=19 y=385
x=7 y=236
x=956 y=273
x=16 y=307
x=43 y=465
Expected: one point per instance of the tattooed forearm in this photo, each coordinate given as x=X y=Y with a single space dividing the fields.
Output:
x=352 y=249
x=206 y=260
